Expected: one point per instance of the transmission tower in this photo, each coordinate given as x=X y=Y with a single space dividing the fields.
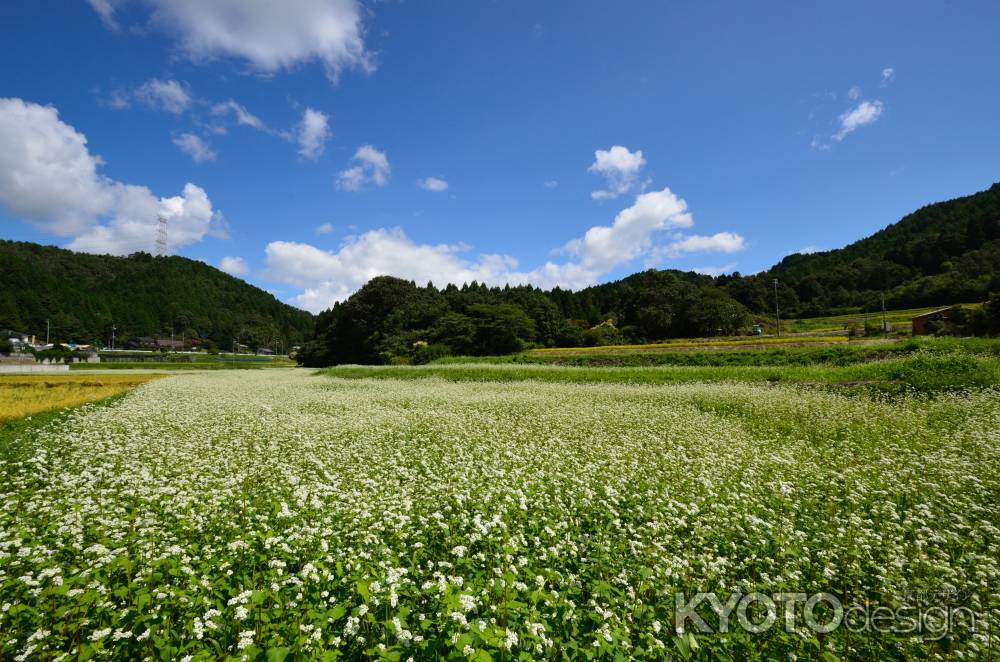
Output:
x=161 y=236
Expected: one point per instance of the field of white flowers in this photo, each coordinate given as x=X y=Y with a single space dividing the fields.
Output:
x=281 y=515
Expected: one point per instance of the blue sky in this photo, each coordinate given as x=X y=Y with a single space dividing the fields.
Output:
x=311 y=144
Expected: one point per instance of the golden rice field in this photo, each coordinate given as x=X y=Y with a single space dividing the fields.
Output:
x=25 y=395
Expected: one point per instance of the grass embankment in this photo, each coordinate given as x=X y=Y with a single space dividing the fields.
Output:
x=840 y=354
x=924 y=371
x=26 y=395
x=679 y=344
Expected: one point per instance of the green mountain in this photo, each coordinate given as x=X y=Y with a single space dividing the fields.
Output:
x=83 y=295
x=944 y=253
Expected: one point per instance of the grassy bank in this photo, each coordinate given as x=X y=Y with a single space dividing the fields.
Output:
x=922 y=370
x=840 y=354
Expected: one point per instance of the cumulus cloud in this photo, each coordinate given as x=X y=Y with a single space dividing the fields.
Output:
x=106 y=10
x=312 y=133
x=329 y=276
x=167 y=95
x=433 y=184
x=234 y=265
x=325 y=228
x=550 y=183
x=371 y=167
x=195 y=147
x=604 y=246
x=720 y=242
x=243 y=116
x=132 y=226
x=716 y=271
x=887 y=75
x=620 y=169
x=865 y=113
x=854 y=93
x=269 y=36
x=49 y=178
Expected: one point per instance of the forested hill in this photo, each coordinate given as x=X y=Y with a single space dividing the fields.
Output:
x=942 y=254
x=83 y=295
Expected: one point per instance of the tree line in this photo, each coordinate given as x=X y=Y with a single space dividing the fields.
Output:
x=942 y=254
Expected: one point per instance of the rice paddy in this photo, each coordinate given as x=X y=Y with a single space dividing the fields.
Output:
x=25 y=395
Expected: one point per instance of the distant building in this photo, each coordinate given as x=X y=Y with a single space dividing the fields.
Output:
x=141 y=342
x=167 y=343
x=931 y=322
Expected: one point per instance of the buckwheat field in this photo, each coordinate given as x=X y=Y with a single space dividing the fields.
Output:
x=283 y=515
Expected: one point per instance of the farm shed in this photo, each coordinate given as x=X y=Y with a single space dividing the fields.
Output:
x=930 y=322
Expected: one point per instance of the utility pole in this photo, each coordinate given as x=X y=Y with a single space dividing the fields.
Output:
x=46 y=332
x=777 y=315
x=885 y=326
x=113 y=329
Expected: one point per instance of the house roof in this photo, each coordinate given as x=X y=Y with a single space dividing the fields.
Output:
x=933 y=312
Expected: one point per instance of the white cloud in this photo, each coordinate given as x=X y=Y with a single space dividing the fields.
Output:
x=887 y=75
x=329 y=276
x=550 y=183
x=716 y=271
x=371 y=167
x=817 y=144
x=805 y=250
x=270 y=36
x=720 y=242
x=195 y=147
x=326 y=228
x=604 y=246
x=619 y=167
x=243 y=116
x=854 y=93
x=167 y=95
x=865 y=113
x=433 y=184
x=133 y=225
x=312 y=133
x=47 y=174
x=49 y=178
x=234 y=265
x=106 y=10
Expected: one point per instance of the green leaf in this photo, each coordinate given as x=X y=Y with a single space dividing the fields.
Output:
x=277 y=654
